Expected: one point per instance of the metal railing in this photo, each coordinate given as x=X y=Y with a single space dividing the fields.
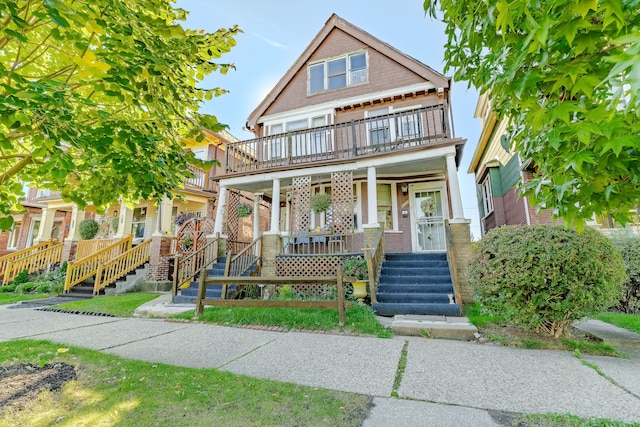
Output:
x=109 y=271
x=318 y=243
x=341 y=141
x=88 y=247
x=375 y=257
x=81 y=269
x=188 y=267
x=247 y=257
x=23 y=253
x=33 y=262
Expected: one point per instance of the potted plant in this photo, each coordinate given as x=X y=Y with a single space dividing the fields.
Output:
x=244 y=210
x=320 y=202
x=356 y=268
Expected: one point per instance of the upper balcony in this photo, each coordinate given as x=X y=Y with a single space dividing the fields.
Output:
x=407 y=130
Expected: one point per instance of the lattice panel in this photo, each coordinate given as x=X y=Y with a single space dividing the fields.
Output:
x=318 y=290
x=308 y=265
x=231 y=213
x=342 y=202
x=300 y=204
x=192 y=235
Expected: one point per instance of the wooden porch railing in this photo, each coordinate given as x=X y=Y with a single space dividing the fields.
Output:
x=375 y=258
x=88 y=247
x=4 y=260
x=243 y=261
x=82 y=269
x=339 y=304
x=35 y=261
x=451 y=257
x=319 y=243
x=188 y=267
x=108 y=272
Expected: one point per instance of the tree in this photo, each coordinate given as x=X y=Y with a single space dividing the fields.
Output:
x=96 y=97
x=566 y=73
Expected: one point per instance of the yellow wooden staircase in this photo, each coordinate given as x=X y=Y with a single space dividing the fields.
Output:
x=32 y=259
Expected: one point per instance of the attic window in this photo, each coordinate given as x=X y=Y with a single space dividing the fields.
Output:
x=337 y=73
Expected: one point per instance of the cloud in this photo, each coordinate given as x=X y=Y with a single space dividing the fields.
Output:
x=271 y=42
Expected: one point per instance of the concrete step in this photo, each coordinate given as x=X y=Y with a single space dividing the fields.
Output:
x=448 y=327
x=392 y=309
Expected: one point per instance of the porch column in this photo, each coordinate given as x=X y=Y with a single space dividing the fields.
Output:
x=256 y=215
x=222 y=201
x=125 y=221
x=454 y=186
x=275 y=207
x=372 y=198
x=46 y=224
x=163 y=219
x=71 y=241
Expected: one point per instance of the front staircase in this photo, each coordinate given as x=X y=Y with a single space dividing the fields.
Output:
x=416 y=284
x=189 y=294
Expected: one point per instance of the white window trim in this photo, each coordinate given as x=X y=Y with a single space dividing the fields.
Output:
x=326 y=61
x=328 y=116
x=11 y=237
x=487 y=195
x=394 y=204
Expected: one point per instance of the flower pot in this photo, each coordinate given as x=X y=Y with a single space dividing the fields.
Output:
x=359 y=289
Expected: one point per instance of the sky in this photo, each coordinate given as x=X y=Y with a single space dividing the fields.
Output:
x=275 y=33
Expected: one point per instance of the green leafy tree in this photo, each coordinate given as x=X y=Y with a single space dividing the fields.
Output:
x=567 y=75
x=96 y=96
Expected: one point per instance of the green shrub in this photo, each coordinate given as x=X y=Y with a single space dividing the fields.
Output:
x=88 y=229
x=25 y=288
x=7 y=289
x=629 y=248
x=22 y=277
x=545 y=277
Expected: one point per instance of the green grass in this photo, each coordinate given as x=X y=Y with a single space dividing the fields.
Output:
x=11 y=298
x=478 y=318
x=119 y=305
x=595 y=348
x=359 y=319
x=630 y=322
x=566 y=420
x=112 y=391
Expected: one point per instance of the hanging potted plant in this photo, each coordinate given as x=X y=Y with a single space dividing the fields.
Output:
x=428 y=205
x=320 y=202
x=358 y=273
x=244 y=210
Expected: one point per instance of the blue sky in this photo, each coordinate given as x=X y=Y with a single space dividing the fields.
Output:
x=277 y=32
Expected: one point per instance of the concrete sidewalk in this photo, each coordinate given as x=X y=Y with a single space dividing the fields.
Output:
x=445 y=383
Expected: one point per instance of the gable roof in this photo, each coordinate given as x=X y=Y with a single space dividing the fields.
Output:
x=332 y=23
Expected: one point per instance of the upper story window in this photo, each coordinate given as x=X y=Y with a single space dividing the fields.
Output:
x=487 y=195
x=338 y=73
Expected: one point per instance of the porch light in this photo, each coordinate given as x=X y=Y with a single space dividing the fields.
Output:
x=404 y=188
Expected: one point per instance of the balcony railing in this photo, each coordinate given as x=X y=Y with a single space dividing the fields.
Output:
x=341 y=141
x=200 y=180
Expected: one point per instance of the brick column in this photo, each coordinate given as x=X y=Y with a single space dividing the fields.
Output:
x=370 y=232
x=159 y=256
x=461 y=246
x=271 y=248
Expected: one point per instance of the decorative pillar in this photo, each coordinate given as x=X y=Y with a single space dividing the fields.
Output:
x=256 y=215
x=372 y=198
x=454 y=187
x=275 y=207
x=222 y=201
x=71 y=242
x=46 y=224
x=125 y=222
x=163 y=218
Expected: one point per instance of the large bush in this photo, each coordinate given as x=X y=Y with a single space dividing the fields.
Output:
x=629 y=248
x=546 y=277
x=88 y=229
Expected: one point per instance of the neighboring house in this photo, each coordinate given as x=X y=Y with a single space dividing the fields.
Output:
x=498 y=170
x=360 y=121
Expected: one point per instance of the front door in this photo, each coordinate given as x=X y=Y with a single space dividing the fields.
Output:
x=427 y=211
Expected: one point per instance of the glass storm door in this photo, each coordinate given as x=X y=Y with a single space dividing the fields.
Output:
x=428 y=220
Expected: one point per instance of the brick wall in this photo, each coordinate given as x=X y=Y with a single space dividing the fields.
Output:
x=159 y=259
x=461 y=245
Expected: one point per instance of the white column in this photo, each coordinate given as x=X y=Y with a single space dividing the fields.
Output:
x=46 y=224
x=454 y=186
x=275 y=207
x=77 y=216
x=163 y=219
x=125 y=221
x=256 y=215
x=372 y=198
x=394 y=206
x=222 y=201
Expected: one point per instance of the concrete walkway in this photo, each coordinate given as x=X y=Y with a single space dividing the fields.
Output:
x=445 y=383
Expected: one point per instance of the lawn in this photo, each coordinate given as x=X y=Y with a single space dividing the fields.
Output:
x=119 y=305
x=112 y=391
x=630 y=322
x=496 y=329
x=11 y=298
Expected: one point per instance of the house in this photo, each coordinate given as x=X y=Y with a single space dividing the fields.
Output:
x=370 y=127
x=498 y=169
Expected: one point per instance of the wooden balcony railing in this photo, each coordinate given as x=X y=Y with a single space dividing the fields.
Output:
x=81 y=269
x=243 y=261
x=319 y=243
x=109 y=271
x=34 y=261
x=4 y=260
x=341 y=141
x=375 y=257
x=188 y=267
x=88 y=247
